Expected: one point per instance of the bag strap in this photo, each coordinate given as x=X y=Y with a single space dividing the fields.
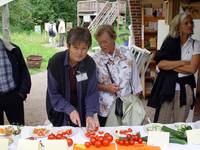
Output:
x=109 y=73
x=112 y=81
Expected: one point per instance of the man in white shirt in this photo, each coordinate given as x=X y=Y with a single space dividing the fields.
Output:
x=61 y=31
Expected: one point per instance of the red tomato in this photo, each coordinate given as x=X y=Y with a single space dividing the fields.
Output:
x=140 y=141
x=87 y=144
x=129 y=136
x=131 y=142
x=69 y=141
x=106 y=142
x=135 y=137
x=121 y=142
x=51 y=137
x=109 y=137
x=69 y=132
x=126 y=142
x=97 y=144
x=106 y=134
x=101 y=132
x=121 y=131
x=130 y=130
x=93 y=140
x=100 y=138
x=59 y=136
x=117 y=141
x=96 y=129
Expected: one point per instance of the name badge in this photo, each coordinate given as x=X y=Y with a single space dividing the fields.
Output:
x=81 y=77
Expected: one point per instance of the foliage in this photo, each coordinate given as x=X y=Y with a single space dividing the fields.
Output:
x=24 y=14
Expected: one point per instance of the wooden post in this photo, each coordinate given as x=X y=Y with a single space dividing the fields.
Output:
x=5 y=23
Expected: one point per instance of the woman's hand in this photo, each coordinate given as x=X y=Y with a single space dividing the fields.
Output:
x=91 y=123
x=74 y=117
x=110 y=88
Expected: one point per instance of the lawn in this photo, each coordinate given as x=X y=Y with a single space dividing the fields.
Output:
x=33 y=43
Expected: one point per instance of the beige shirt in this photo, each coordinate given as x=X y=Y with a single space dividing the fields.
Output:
x=61 y=27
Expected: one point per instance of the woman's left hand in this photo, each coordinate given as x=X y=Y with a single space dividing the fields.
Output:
x=91 y=123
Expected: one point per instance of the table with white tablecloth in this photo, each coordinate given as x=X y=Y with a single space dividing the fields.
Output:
x=79 y=135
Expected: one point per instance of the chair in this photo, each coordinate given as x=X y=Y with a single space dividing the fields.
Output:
x=142 y=57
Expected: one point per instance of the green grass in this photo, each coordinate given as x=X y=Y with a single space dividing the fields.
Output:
x=33 y=44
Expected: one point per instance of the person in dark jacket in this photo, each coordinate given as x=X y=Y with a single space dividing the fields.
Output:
x=178 y=59
x=15 y=83
x=72 y=95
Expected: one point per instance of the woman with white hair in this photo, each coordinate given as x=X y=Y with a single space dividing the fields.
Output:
x=178 y=59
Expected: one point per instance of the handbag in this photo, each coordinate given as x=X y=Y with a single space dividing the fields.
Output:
x=126 y=110
x=119 y=102
x=133 y=112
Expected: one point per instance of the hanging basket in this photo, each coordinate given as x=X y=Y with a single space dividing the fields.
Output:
x=34 y=61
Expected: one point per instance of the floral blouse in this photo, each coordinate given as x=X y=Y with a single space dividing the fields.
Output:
x=124 y=72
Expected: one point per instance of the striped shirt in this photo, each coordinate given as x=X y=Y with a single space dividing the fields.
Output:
x=6 y=77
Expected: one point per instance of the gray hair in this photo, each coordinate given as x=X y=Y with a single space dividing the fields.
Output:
x=174 y=30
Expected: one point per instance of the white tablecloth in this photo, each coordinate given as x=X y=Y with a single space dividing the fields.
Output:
x=80 y=138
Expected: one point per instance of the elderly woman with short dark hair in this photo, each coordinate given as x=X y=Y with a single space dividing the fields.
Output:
x=72 y=94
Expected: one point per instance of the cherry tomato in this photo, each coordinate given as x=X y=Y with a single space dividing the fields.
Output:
x=69 y=132
x=93 y=140
x=121 y=142
x=140 y=141
x=106 y=142
x=135 y=137
x=51 y=136
x=101 y=132
x=87 y=144
x=106 y=134
x=131 y=142
x=117 y=141
x=130 y=130
x=69 y=141
x=59 y=136
x=110 y=138
x=96 y=129
x=129 y=136
x=126 y=142
x=97 y=144
x=100 y=138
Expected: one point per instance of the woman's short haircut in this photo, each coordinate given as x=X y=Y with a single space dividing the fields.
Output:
x=79 y=34
x=106 y=29
x=174 y=30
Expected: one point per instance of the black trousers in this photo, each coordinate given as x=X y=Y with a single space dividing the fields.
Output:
x=12 y=104
x=102 y=121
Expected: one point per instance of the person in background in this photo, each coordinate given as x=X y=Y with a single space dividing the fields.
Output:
x=72 y=94
x=52 y=33
x=61 y=31
x=178 y=59
x=15 y=83
x=122 y=66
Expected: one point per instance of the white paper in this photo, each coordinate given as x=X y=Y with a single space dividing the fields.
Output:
x=55 y=145
x=193 y=136
x=25 y=144
x=158 y=138
x=4 y=144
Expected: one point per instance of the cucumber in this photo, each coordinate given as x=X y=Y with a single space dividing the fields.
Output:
x=174 y=133
x=177 y=140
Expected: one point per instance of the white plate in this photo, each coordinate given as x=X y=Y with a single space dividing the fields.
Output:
x=43 y=136
x=117 y=134
x=63 y=129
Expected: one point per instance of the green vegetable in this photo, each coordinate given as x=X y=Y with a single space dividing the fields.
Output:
x=177 y=140
x=174 y=133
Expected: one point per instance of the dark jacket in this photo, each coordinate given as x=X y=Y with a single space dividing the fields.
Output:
x=20 y=71
x=164 y=86
x=58 y=92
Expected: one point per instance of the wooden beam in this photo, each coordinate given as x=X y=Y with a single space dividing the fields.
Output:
x=5 y=23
